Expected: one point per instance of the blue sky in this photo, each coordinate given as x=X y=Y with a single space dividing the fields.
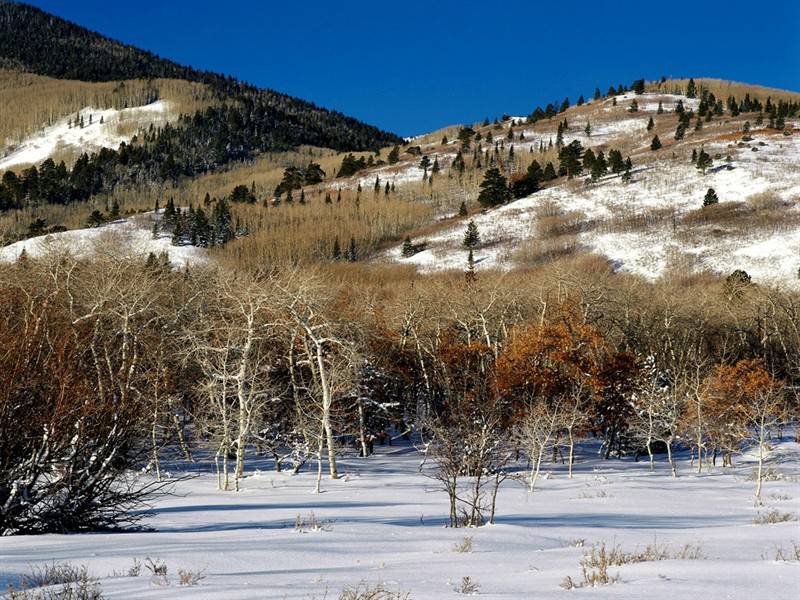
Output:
x=412 y=66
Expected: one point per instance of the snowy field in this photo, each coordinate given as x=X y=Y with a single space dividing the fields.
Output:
x=88 y=138
x=384 y=522
x=130 y=236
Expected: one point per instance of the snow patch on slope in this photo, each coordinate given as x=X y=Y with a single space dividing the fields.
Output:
x=131 y=237
x=672 y=186
x=87 y=138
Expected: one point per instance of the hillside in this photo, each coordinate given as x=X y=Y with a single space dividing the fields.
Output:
x=241 y=123
x=654 y=224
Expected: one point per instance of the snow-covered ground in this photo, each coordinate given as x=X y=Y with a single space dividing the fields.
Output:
x=130 y=236
x=671 y=185
x=385 y=523
x=61 y=136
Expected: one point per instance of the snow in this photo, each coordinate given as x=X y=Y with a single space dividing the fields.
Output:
x=130 y=236
x=386 y=524
x=90 y=137
x=672 y=186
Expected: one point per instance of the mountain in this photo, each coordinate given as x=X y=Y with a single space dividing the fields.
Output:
x=243 y=122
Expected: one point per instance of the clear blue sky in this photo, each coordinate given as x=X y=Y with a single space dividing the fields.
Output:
x=412 y=66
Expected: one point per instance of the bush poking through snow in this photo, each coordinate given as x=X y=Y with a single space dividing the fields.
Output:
x=190 y=578
x=596 y=562
x=156 y=567
x=367 y=592
x=467 y=586
x=773 y=516
x=788 y=555
x=57 y=581
x=309 y=522
x=55 y=574
x=464 y=546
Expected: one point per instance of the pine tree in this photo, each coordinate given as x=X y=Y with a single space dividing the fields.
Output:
x=615 y=161
x=494 y=189
x=626 y=176
x=588 y=159
x=569 y=159
x=588 y=129
x=114 y=214
x=655 y=144
x=177 y=232
x=650 y=124
x=155 y=230
x=710 y=197
x=597 y=94
x=462 y=210
x=328 y=199
x=471 y=236
x=336 y=253
x=691 y=89
x=704 y=161
x=549 y=172
x=660 y=110
x=680 y=131
x=408 y=248
x=634 y=106
x=694 y=155
x=394 y=155
x=352 y=251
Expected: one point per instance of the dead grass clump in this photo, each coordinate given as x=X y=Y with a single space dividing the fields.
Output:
x=465 y=545
x=190 y=578
x=571 y=223
x=309 y=522
x=57 y=581
x=787 y=555
x=595 y=563
x=773 y=516
x=467 y=586
x=363 y=591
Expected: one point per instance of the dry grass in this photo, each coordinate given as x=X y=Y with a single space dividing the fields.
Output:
x=722 y=89
x=773 y=516
x=31 y=102
x=364 y=591
x=465 y=545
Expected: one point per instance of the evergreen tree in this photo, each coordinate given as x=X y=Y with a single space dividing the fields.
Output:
x=710 y=197
x=680 y=131
x=549 y=172
x=588 y=129
x=650 y=124
x=435 y=168
x=471 y=236
x=638 y=87
x=494 y=189
x=655 y=144
x=597 y=94
x=599 y=166
x=694 y=155
x=336 y=253
x=114 y=214
x=634 y=106
x=394 y=155
x=352 y=251
x=626 y=176
x=691 y=89
x=408 y=248
x=462 y=210
x=660 y=110
x=177 y=232
x=569 y=159
x=615 y=161
x=704 y=161
x=588 y=159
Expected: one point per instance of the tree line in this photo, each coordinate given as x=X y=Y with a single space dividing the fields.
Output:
x=108 y=366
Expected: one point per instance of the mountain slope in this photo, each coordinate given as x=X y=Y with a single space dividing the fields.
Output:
x=244 y=122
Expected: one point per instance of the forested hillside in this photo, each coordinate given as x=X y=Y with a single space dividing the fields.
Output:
x=244 y=122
